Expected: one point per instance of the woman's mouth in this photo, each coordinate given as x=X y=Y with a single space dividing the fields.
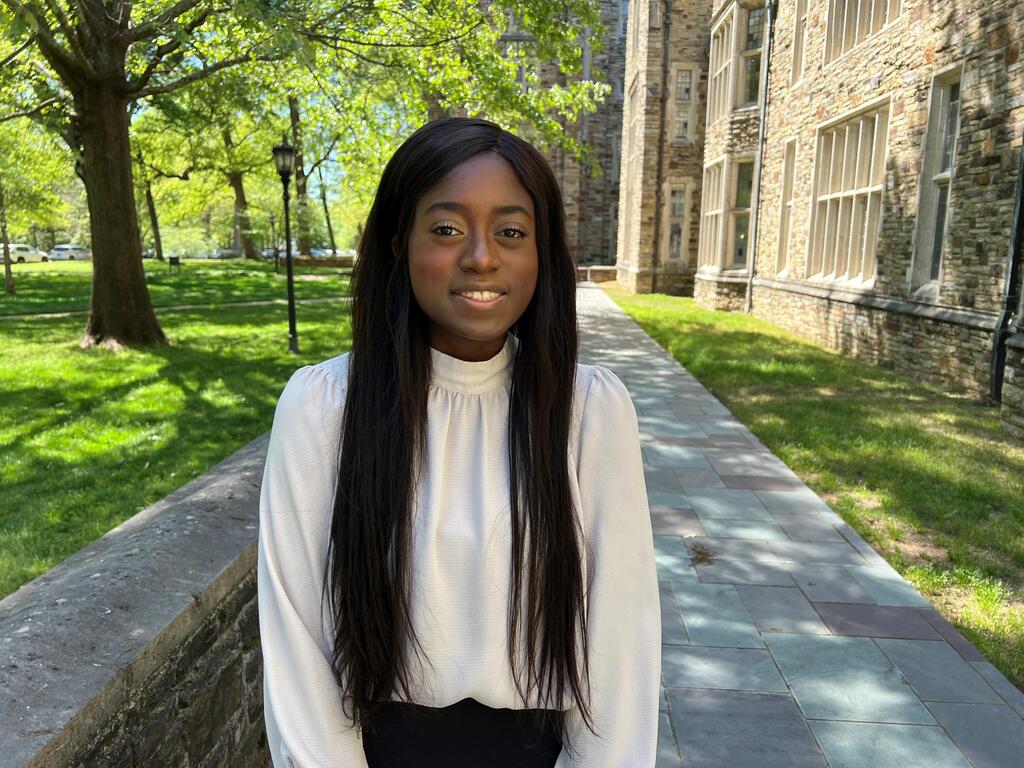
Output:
x=480 y=299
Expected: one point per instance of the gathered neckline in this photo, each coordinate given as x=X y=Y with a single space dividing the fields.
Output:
x=473 y=377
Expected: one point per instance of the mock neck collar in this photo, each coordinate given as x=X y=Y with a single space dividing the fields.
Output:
x=472 y=378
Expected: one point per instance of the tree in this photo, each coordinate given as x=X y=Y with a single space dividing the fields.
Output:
x=77 y=66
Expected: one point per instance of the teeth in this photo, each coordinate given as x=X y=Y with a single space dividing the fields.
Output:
x=481 y=295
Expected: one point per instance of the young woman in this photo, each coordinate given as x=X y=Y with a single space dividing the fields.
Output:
x=456 y=504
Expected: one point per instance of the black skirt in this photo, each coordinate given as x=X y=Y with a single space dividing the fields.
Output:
x=467 y=734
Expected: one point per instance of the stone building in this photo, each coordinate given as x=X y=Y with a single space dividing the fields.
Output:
x=662 y=141
x=860 y=161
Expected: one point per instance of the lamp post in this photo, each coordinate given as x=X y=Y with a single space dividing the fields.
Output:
x=284 y=159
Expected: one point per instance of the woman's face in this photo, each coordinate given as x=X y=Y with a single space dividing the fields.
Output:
x=474 y=230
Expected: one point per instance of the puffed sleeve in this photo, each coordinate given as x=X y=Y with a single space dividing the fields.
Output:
x=306 y=726
x=623 y=613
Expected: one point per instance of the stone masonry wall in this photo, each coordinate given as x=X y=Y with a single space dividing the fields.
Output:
x=897 y=65
x=1013 y=387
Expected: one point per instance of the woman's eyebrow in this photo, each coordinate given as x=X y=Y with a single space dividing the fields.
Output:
x=451 y=205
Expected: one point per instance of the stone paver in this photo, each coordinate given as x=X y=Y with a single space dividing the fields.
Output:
x=787 y=640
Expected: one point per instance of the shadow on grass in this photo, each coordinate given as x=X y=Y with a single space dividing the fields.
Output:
x=101 y=435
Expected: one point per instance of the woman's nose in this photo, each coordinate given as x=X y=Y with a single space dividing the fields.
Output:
x=480 y=253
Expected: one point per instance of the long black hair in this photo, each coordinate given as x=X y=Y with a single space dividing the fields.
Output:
x=384 y=434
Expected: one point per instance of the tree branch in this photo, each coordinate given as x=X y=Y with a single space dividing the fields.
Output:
x=326 y=154
x=154 y=25
x=20 y=49
x=30 y=112
x=201 y=74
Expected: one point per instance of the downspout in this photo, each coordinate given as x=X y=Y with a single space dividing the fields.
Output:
x=666 y=86
x=762 y=115
x=1010 y=293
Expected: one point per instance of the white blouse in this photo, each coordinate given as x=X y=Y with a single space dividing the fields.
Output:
x=461 y=552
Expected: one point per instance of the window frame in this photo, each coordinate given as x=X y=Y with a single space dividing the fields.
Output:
x=922 y=282
x=677 y=107
x=786 y=184
x=720 y=66
x=819 y=230
x=741 y=53
x=800 y=13
x=686 y=185
x=709 y=252
x=734 y=211
x=848 y=40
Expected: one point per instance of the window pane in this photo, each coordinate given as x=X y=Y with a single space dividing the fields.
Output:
x=744 y=183
x=739 y=241
x=940 y=225
x=682 y=126
x=949 y=138
x=677 y=204
x=684 y=84
x=755 y=28
x=675 y=242
x=751 y=78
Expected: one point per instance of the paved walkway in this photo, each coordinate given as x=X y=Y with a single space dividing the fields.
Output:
x=788 y=642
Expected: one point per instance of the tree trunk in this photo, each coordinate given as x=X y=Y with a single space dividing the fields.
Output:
x=242 y=214
x=301 y=202
x=153 y=222
x=327 y=213
x=8 y=276
x=121 y=311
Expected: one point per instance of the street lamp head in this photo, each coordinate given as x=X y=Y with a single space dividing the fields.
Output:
x=284 y=158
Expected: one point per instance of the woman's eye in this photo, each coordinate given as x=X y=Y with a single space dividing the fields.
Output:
x=442 y=226
x=520 y=232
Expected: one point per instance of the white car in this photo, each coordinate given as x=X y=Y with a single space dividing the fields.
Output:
x=70 y=252
x=22 y=253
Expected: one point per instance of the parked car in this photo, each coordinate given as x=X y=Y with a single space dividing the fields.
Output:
x=22 y=253
x=148 y=253
x=225 y=253
x=70 y=252
x=321 y=253
x=267 y=253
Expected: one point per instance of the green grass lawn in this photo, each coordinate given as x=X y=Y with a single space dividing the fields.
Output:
x=90 y=437
x=930 y=479
x=64 y=286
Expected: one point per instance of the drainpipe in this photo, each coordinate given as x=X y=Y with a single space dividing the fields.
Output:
x=755 y=204
x=666 y=88
x=1010 y=293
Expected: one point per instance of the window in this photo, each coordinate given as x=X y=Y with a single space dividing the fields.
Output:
x=711 y=216
x=620 y=29
x=786 y=205
x=740 y=214
x=654 y=9
x=677 y=229
x=617 y=88
x=849 y=171
x=684 y=85
x=615 y=160
x=936 y=175
x=683 y=105
x=799 y=41
x=720 y=69
x=850 y=21
x=750 y=57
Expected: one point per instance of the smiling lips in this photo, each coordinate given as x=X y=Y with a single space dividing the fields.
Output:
x=481 y=299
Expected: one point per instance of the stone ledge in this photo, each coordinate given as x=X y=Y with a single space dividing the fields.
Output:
x=981 y=320
x=78 y=643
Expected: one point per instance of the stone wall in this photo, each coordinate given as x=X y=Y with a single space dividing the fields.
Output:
x=1013 y=387
x=726 y=294
x=142 y=649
